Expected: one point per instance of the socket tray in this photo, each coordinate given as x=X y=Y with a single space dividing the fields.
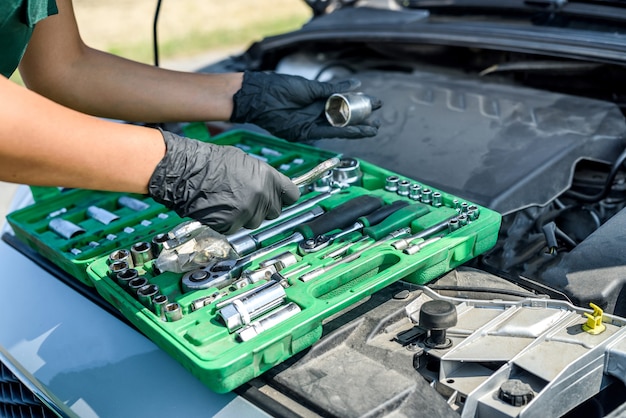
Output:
x=222 y=360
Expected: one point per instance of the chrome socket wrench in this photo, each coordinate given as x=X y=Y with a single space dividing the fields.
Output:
x=270 y=320
x=242 y=311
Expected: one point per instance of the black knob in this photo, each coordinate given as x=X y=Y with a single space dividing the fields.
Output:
x=516 y=393
x=437 y=316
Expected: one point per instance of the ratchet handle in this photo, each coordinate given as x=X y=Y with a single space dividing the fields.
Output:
x=400 y=219
x=382 y=213
x=341 y=216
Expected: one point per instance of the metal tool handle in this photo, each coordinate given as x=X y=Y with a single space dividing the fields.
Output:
x=316 y=172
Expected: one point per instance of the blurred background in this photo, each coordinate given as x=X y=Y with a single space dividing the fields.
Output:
x=191 y=33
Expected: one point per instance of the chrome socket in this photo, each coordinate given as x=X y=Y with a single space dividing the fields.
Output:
x=120 y=255
x=157 y=244
x=453 y=225
x=348 y=173
x=391 y=183
x=437 y=199
x=403 y=187
x=324 y=183
x=263 y=324
x=117 y=267
x=124 y=277
x=141 y=253
x=135 y=284
x=415 y=191
x=173 y=312
x=146 y=293
x=65 y=229
x=241 y=312
x=101 y=215
x=343 y=109
x=158 y=305
x=427 y=196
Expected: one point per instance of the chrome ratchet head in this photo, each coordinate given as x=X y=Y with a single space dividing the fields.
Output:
x=314 y=244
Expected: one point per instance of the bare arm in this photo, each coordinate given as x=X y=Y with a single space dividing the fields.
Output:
x=58 y=65
x=43 y=143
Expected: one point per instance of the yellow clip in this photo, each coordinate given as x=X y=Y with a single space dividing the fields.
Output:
x=594 y=323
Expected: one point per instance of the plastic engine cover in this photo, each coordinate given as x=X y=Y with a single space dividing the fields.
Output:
x=504 y=147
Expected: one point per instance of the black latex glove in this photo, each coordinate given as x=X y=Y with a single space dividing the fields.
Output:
x=220 y=186
x=292 y=107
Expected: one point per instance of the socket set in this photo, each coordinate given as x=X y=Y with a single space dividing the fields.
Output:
x=230 y=318
x=75 y=227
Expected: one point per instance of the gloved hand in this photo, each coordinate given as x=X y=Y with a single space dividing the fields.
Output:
x=220 y=186
x=292 y=107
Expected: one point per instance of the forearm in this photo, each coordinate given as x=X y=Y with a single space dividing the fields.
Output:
x=108 y=86
x=43 y=143
x=58 y=65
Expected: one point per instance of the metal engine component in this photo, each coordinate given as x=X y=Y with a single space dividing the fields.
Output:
x=343 y=109
x=240 y=312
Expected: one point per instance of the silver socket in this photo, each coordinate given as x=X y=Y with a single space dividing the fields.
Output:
x=274 y=318
x=437 y=199
x=453 y=224
x=117 y=267
x=137 y=283
x=146 y=293
x=173 y=312
x=348 y=172
x=391 y=183
x=403 y=187
x=101 y=215
x=324 y=183
x=463 y=219
x=427 y=196
x=158 y=305
x=65 y=229
x=124 y=277
x=343 y=109
x=415 y=191
x=141 y=253
x=242 y=311
x=120 y=255
x=157 y=243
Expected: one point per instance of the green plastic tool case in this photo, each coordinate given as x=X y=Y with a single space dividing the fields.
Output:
x=218 y=355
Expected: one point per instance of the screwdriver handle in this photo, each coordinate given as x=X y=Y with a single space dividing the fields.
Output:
x=401 y=218
x=341 y=216
x=381 y=214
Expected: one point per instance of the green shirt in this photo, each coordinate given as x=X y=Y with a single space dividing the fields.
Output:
x=17 y=21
